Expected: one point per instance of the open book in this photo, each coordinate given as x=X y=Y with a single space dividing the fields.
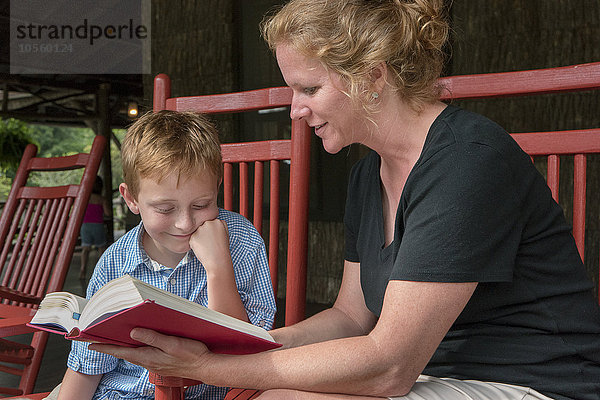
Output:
x=125 y=303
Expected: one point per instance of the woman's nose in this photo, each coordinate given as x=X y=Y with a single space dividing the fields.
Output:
x=298 y=110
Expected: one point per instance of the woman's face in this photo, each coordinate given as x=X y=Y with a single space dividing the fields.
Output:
x=318 y=99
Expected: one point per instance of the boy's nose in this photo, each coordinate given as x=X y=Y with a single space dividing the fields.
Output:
x=185 y=221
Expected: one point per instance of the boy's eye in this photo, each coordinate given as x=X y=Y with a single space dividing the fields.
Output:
x=164 y=210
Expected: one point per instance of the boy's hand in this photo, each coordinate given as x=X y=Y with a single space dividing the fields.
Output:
x=210 y=244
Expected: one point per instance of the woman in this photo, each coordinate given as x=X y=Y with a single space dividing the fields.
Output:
x=458 y=263
x=93 y=231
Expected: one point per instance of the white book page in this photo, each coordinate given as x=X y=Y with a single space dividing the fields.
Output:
x=60 y=309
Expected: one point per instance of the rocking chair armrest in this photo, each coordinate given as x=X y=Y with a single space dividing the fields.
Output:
x=171 y=381
x=16 y=295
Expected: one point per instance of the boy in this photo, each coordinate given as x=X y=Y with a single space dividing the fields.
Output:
x=185 y=244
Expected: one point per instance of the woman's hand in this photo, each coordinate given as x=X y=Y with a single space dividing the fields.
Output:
x=164 y=355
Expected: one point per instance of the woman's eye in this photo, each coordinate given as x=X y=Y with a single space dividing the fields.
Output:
x=200 y=206
x=310 y=90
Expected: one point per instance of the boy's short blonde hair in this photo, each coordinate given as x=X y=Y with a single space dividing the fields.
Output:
x=160 y=143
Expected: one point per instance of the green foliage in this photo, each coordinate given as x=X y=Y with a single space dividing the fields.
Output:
x=115 y=160
x=119 y=209
x=52 y=141
x=5 y=183
x=15 y=135
x=56 y=141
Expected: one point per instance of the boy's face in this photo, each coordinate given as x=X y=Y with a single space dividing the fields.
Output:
x=171 y=211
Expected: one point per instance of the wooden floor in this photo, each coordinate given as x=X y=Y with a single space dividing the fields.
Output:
x=55 y=357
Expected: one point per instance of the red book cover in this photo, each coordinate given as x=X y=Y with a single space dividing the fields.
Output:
x=116 y=328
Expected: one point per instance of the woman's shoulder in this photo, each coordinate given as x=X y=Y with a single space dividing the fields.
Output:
x=459 y=131
x=464 y=126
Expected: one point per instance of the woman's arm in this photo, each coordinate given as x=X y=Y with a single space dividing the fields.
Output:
x=349 y=316
x=386 y=362
x=383 y=361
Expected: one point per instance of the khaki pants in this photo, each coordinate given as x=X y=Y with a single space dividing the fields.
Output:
x=432 y=388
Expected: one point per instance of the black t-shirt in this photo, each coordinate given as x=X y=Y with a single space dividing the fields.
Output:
x=475 y=209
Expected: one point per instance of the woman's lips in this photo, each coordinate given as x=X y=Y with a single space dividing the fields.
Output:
x=319 y=127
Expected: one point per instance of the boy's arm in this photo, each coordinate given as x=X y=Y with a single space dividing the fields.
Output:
x=210 y=244
x=78 y=386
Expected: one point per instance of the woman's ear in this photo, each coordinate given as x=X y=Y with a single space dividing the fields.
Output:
x=378 y=77
x=129 y=199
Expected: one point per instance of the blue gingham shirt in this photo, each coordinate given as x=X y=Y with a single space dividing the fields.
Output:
x=123 y=380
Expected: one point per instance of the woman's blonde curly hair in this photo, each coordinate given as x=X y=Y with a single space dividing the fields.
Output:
x=353 y=37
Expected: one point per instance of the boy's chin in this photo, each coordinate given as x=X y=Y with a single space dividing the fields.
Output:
x=180 y=249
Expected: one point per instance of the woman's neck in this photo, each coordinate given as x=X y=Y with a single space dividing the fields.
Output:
x=399 y=141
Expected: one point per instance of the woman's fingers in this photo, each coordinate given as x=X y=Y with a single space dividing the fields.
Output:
x=149 y=337
x=163 y=354
x=139 y=356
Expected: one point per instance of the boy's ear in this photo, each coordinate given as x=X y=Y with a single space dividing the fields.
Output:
x=129 y=199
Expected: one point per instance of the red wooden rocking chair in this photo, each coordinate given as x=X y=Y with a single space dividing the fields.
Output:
x=39 y=228
x=263 y=155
